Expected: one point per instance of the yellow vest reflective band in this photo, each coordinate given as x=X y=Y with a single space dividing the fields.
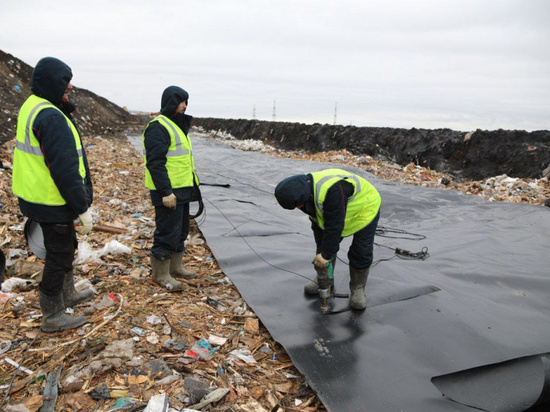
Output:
x=31 y=178
x=179 y=159
x=362 y=207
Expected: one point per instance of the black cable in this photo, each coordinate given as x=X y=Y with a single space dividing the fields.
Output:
x=251 y=248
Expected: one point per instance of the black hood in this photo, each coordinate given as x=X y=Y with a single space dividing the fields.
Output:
x=171 y=98
x=50 y=79
x=293 y=191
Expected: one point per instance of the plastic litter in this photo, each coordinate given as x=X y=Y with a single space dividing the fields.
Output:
x=123 y=404
x=242 y=354
x=13 y=253
x=201 y=350
x=114 y=247
x=15 y=284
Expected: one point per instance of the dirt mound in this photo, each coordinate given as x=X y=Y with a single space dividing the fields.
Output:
x=94 y=114
x=474 y=155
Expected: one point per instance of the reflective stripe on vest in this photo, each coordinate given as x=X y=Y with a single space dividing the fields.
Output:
x=31 y=178
x=362 y=207
x=179 y=159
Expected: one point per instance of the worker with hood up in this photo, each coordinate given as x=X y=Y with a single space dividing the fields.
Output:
x=51 y=178
x=170 y=176
x=339 y=204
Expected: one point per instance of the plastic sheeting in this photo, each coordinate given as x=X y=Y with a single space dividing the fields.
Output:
x=481 y=298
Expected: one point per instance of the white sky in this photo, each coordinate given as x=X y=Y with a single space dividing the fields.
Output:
x=463 y=64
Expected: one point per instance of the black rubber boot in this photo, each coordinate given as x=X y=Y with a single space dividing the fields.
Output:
x=161 y=274
x=177 y=269
x=357 y=282
x=71 y=296
x=54 y=318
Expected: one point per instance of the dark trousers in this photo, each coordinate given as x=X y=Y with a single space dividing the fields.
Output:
x=60 y=243
x=171 y=231
x=361 y=251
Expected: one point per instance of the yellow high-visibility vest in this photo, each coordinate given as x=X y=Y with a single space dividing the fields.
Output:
x=31 y=178
x=179 y=159
x=363 y=205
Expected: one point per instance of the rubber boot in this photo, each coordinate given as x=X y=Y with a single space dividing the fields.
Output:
x=161 y=274
x=357 y=282
x=177 y=269
x=54 y=318
x=71 y=296
x=312 y=287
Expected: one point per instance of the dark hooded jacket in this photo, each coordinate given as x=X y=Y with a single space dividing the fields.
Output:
x=50 y=79
x=298 y=190
x=157 y=142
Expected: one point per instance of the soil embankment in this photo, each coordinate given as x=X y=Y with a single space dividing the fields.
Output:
x=474 y=155
x=94 y=114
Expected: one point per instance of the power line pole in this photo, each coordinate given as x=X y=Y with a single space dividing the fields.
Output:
x=274 y=111
x=335 y=110
x=254 y=112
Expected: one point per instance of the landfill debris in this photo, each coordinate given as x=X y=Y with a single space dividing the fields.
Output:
x=14 y=283
x=110 y=355
x=201 y=350
x=212 y=397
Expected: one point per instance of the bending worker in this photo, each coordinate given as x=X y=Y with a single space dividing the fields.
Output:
x=52 y=181
x=339 y=204
x=170 y=176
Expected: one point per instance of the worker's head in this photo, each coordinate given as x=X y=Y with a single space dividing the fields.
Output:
x=174 y=101
x=293 y=191
x=51 y=79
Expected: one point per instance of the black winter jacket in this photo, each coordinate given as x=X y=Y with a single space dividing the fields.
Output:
x=334 y=215
x=49 y=81
x=157 y=142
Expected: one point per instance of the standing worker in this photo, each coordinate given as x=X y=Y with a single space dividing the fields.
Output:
x=339 y=204
x=170 y=176
x=52 y=181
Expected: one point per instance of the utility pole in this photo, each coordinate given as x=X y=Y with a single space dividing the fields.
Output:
x=335 y=110
x=274 y=111
x=254 y=112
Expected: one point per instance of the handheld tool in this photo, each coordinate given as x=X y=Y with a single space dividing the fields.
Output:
x=325 y=278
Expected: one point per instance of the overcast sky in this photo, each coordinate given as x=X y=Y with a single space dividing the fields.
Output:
x=463 y=64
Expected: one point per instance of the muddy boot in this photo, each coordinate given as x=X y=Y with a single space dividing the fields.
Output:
x=357 y=282
x=161 y=274
x=54 y=318
x=177 y=269
x=71 y=296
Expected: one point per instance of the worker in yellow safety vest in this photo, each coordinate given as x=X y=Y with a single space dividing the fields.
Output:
x=170 y=176
x=339 y=204
x=51 y=178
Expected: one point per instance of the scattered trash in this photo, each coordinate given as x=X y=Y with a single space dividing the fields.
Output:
x=13 y=253
x=201 y=350
x=17 y=365
x=16 y=284
x=124 y=404
x=242 y=354
x=138 y=331
x=217 y=340
x=86 y=254
x=153 y=320
x=214 y=396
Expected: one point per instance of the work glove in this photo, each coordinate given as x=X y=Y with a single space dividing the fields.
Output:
x=86 y=222
x=170 y=201
x=320 y=262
